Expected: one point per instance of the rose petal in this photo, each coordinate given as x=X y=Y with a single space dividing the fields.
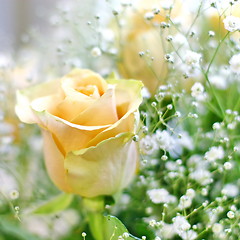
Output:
x=82 y=78
x=25 y=97
x=54 y=160
x=102 y=112
x=104 y=169
x=68 y=136
x=130 y=101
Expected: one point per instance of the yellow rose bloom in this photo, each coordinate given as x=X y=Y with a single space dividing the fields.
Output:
x=140 y=35
x=87 y=124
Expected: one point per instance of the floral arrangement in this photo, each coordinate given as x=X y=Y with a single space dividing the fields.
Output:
x=145 y=145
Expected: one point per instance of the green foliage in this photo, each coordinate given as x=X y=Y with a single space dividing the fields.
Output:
x=54 y=205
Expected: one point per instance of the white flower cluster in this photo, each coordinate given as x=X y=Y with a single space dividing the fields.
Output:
x=235 y=63
x=161 y=195
x=232 y=23
x=167 y=142
x=182 y=228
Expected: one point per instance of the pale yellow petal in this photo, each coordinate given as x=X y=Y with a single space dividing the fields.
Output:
x=68 y=136
x=25 y=97
x=104 y=169
x=82 y=78
x=128 y=99
x=101 y=112
x=54 y=161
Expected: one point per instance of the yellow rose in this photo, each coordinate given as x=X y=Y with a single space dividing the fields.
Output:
x=87 y=125
x=140 y=34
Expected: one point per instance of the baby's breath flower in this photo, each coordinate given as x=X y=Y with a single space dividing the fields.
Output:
x=214 y=153
x=216 y=126
x=192 y=58
x=217 y=228
x=164 y=139
x=14 y=194
x=188 y=235
x=227 y=165
x=185 y=202
x=160 y=195
x=191 y=193
x=230 y=214
x=202 y=176
x=232 y=23
x=180 y=224
x=149 y=15
x=148 y=145
x=96 y=52
x=197 y=90
x=230 y=190
x=235 y=63
x=211 y=33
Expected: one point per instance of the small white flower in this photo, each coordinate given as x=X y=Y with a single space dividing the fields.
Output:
x=148 y=145
x=219 y=82
x=217 y=228
x=185 y=202
x=185 y=141
x=235 y=63
x=167 y=231
x=191 y=193
x=197 y=90
x=202 y=176
x=232 y=23
x=214 y=153
x=160 y=195
x=216 y=126
x=180 y=224
x=96 y=52
x=145 y=93
x=188 y=235
x=149 y=15
x=230 y=214
x=192 y=58
x=14 y=194
x=230 y=190
x=164 y=139
x=227 y=165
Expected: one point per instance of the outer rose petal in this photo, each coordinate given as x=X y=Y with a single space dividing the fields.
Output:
x=104 y=169
x=68 y=136
x=54 y=160
x=101 y=170
x=25 y=97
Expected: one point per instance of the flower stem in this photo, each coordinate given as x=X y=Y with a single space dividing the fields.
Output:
x=94 y=208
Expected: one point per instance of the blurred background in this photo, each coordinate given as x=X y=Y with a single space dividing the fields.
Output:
x=18 y=16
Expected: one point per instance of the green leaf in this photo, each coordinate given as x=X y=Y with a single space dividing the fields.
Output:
x=113 y=228
x=54 y=205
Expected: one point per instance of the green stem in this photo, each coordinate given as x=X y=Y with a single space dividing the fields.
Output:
x=215 y=53
x=94 y=208
x=96 y=225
